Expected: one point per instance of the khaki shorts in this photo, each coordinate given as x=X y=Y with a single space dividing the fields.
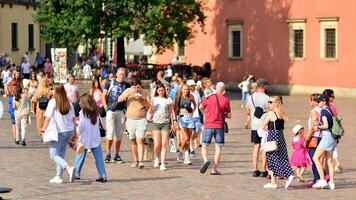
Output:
x=115 y=125
x=161 y=127
x=136 y=128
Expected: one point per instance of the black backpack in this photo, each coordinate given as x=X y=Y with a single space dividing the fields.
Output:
x=43 y=102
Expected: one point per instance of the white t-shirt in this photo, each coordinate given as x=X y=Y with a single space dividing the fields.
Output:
x=26 y=68
x=261 y=100
x=64 y=123
x=5 y=74
x=197 y=101
x=161 y=113
x=71 y=91
x=89 y=133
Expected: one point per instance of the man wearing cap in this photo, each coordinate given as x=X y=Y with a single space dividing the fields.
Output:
x=256 y=107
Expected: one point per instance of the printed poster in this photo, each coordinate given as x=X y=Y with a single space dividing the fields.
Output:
x=59 y=59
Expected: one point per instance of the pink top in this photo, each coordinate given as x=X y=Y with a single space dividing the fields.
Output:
x=97 y=97
x=333 y=109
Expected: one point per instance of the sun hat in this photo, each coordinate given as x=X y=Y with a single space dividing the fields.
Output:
x=297 y=128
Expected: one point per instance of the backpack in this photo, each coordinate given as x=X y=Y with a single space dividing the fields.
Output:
x=337 y=131
x=43 y=102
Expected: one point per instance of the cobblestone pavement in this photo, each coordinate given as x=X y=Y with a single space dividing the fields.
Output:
x=28 y=169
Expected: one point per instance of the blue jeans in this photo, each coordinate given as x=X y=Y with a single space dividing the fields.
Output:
x=244 y=98
x=58 y=150
x=217 y=133
x=99 y=162
x=315 y=171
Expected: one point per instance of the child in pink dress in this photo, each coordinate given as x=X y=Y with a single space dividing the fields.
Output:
x=300 y=157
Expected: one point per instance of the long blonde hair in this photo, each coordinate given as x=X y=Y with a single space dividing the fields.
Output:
x=43 y=88
x=279 y=106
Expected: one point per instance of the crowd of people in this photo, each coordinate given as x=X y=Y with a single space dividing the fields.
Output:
x=191 y=110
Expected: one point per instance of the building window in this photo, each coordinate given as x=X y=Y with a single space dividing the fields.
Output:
x=30 y=38
x=14 y=44
x=235 y=39
x=181 y=50
x=296 y=39
x=330 y=44
x=329 y=38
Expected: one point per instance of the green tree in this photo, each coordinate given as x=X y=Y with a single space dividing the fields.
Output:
x=162 y=22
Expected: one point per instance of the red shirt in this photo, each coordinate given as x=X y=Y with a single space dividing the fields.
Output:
x=213 y=118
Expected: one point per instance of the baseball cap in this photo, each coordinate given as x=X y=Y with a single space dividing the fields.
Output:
x=261 y=82
x=296 y=128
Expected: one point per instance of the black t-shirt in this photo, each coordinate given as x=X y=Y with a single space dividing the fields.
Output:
x=115 y=89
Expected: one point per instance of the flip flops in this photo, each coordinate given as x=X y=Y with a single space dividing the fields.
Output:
x=204 y=167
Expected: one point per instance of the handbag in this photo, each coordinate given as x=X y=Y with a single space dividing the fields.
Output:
x=226 y=126
x=172 y=143
x=313 y=143
x=51 y=133
x=271 y=145
x=101 y=129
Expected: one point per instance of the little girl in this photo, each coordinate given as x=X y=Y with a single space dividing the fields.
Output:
x=300 y=157
x=21 y=107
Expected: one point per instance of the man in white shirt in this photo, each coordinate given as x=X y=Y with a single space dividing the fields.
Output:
x=72 y=90
x=258 y=100
x=26 y=70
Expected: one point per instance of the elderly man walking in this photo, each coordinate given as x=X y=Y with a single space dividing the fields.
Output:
x=217 y=108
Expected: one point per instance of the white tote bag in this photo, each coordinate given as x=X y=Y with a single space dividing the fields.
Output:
x=51 y=133
x=172 y=145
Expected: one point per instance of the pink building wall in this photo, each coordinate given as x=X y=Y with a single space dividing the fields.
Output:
x=266 y=42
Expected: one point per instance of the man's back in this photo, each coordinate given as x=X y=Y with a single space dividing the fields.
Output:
x=257 y=99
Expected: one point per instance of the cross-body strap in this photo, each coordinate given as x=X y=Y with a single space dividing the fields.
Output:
x=216 y=96
x=253 y=103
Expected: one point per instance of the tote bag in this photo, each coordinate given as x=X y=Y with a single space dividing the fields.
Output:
x=51 y=133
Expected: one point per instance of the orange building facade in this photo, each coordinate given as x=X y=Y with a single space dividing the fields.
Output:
x=299 y=46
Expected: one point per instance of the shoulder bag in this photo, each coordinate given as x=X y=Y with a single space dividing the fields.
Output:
x=271 y=145
x=101 y=129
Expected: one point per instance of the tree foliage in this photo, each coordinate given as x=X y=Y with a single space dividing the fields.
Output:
x=162 y=22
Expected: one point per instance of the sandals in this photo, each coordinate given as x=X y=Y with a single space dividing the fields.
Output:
x=215 y=173
x=204 y=167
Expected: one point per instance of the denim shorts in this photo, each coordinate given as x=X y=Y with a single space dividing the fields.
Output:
x=185 y=121
x=327 y=143
x=197 y=124
x=217 y=133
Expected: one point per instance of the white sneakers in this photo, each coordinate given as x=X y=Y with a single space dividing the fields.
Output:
x=156 y=164
x=71 y=173
x=56 y=179
x=163 y=168
x=270 y=186
x=179 y=157
x=331 y=186
x=321 y=184
x=186 y=158
x=289 y=181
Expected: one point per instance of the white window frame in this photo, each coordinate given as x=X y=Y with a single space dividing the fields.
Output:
x=235 y=26
x=296 y=24
x=328 y=23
